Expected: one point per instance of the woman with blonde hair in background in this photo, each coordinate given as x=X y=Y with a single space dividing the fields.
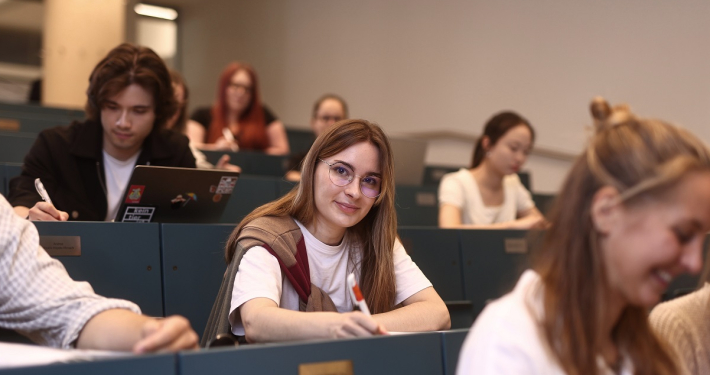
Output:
x=632 y=215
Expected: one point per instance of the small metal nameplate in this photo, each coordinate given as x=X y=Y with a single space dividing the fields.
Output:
x=516 y=246
x=61 y=246
x=9 y=124
x=344 y=367
x=426 y=199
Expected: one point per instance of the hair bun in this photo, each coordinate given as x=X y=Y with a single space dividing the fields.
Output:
x=604 y=115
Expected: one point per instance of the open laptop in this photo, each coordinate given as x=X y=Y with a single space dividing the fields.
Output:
x=409 y=157
x=176 y=195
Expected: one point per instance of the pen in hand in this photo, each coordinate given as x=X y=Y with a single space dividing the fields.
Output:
x=356 y=295
x=42 y=191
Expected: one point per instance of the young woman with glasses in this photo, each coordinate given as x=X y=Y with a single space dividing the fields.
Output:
x=294 y=254
x=238 y=120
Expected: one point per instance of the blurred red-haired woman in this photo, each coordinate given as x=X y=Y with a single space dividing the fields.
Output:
x=238 y=120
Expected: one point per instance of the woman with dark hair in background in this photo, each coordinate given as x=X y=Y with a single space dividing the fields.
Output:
x=490 y=194
x=239 y=120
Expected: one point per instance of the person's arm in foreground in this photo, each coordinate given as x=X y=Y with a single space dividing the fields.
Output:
x=118 y=329
x=40 y=300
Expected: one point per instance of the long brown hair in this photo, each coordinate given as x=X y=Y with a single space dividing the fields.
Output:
x=640 y=158
x=374 y=235
x=180 y=117
x=252 y=127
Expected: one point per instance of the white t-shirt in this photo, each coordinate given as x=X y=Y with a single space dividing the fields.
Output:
x=259 y=275
x=117 y=174
x=460 y=189
x=507 y=337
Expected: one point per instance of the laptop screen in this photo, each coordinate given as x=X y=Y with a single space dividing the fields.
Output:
x=409 y=157
x=176 y=195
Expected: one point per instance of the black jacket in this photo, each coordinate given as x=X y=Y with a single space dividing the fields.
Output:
x=69 y=160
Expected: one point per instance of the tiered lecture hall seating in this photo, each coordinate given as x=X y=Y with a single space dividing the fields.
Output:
x=28 y=118
x=20 y=124
x=177 y=269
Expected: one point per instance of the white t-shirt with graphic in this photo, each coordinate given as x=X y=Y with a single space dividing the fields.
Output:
x=117 y=174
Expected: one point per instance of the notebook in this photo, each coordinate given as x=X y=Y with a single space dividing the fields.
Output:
x=176 y=195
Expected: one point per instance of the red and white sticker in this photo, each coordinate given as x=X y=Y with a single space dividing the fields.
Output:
x=135 y=192
x=226 y=185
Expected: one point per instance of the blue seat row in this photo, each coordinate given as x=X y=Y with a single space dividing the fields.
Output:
x=14 y=146
x=428 y=353
x=177 y=268
x=416 y=205
x=32 y=119
x=39 y=110
x=8 y=171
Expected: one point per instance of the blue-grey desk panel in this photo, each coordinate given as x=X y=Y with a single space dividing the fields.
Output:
x=417 y=205
x=253 y=163
x=452 y=342
x=300 y=140
x=434 y=173
x=40 y=110
x=492 y=262
x=284 y=187
x=120 y=260
x=399 y=354
x=30 y=123
x=158 y=364
x=14 y=146
x=193 y=266
x=10 y=170
x=437 y=253
x=249 y=193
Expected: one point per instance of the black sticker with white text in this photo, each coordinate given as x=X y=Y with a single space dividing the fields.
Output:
x=136 y=214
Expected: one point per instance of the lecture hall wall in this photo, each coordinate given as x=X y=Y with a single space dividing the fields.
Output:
x=418 y=66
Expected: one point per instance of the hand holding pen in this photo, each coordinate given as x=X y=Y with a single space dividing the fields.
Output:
x=45 y=211
x=359 y=300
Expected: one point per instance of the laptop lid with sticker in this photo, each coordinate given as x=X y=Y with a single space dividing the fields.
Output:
x=176 y=195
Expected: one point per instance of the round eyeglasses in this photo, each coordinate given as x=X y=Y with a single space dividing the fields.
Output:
x=342 y=175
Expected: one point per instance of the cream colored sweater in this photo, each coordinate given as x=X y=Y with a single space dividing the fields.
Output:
x=685 y=324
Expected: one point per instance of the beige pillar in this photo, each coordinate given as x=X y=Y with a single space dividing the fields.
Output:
x=77 y=35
